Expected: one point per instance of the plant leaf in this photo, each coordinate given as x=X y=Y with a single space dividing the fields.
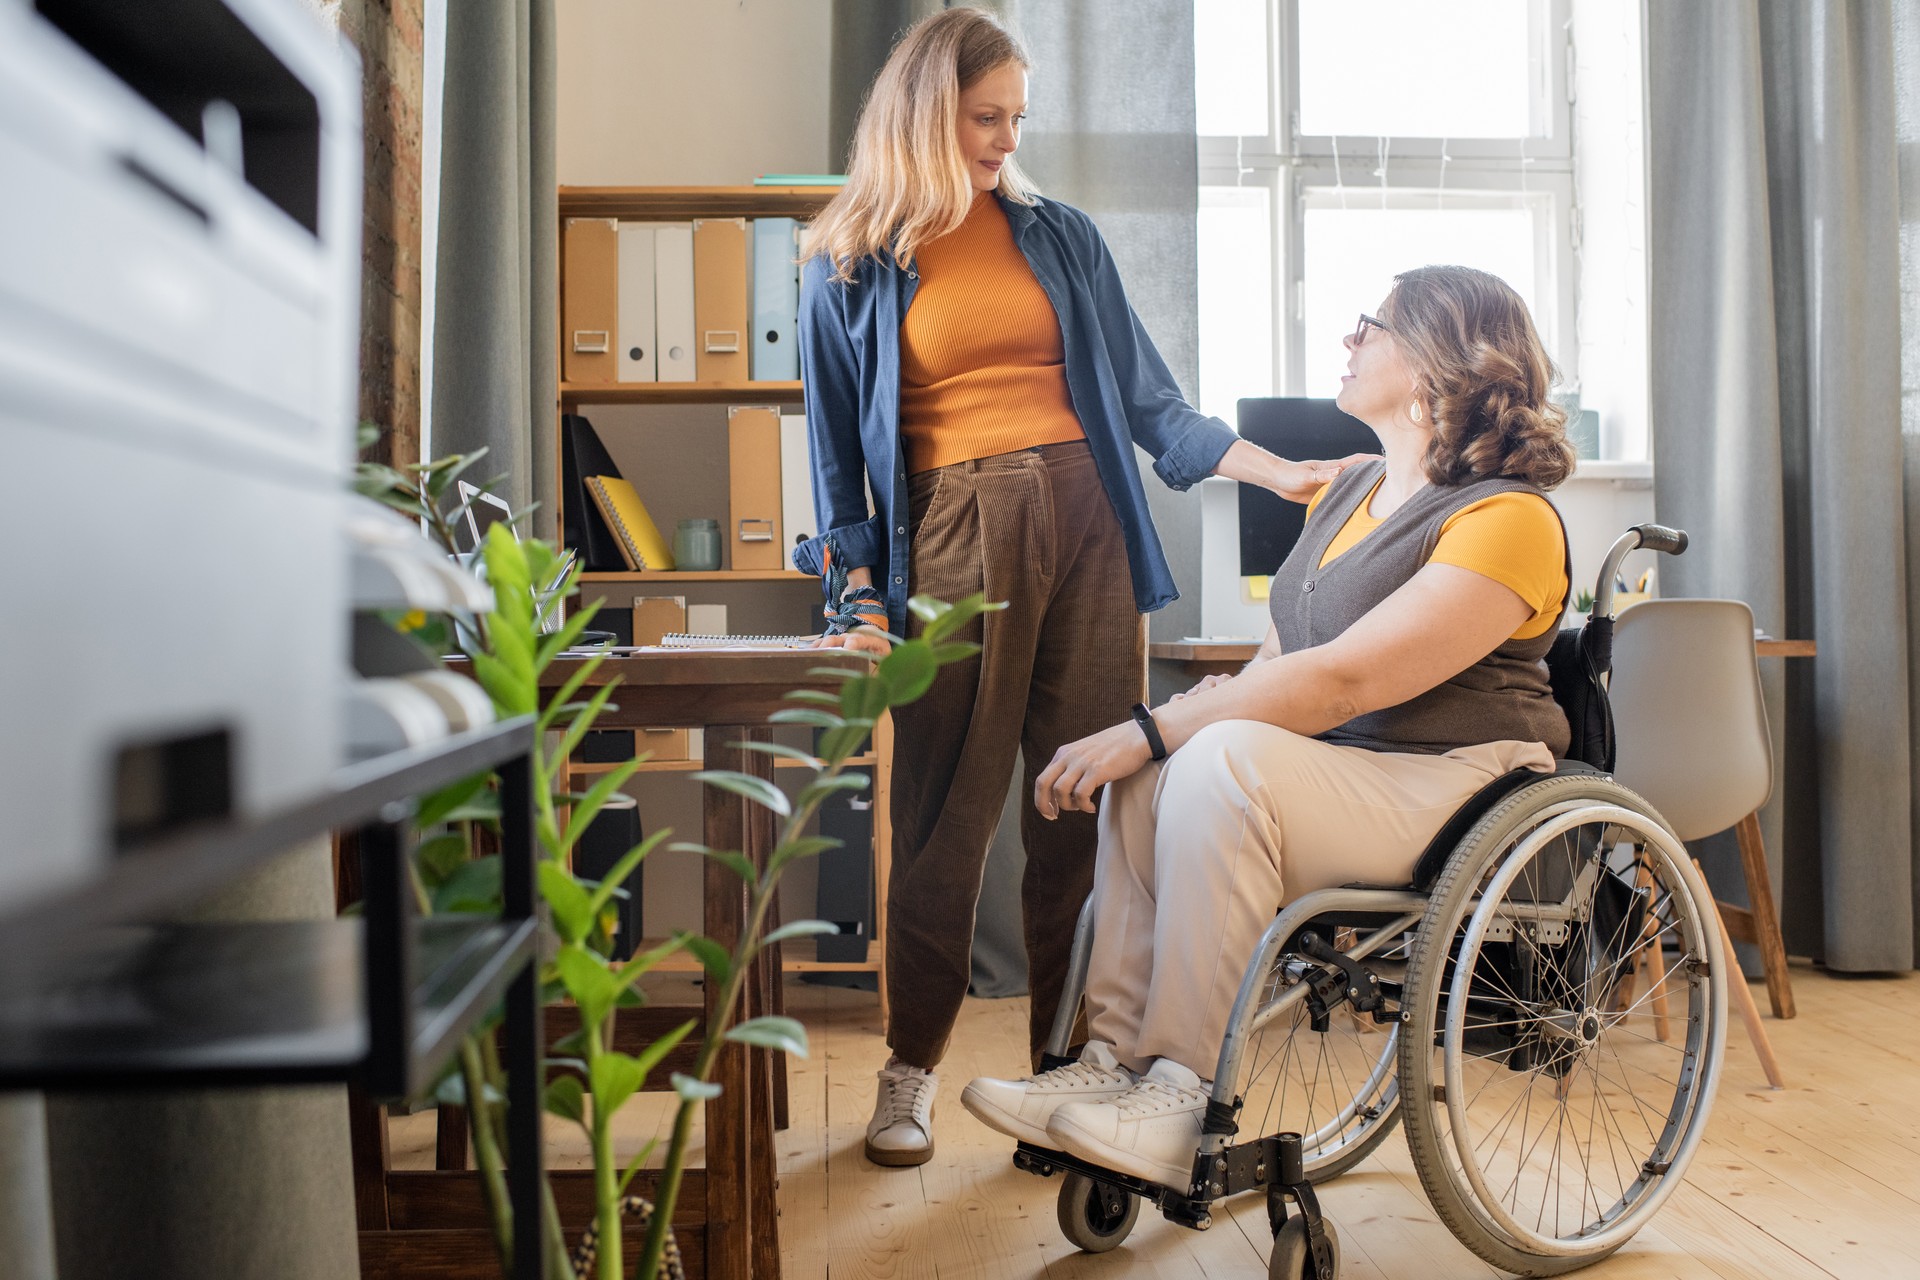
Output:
x=618 y=873
x=714 y=958
x=571 y=916
x=731 y=858
x=952 y=651
x=616 y=1077
x=435 y=806
x=840 y=745
x=827 y=784
x=651 y=1056
x=565 y=1098
x=783 y=1034
x=865 y=698
x=806 y=715
x=636 y=1164
x=780 y=749
x=800 y=929
x=758 y=790
x=589 y=981
x=908 y=672
x=588 y=807
x=820 y=696
x=439 y=857
x=473 y=888
x=694 y=1090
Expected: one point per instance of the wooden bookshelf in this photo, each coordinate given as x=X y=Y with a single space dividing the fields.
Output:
x=713 y=575
x=685 y=204
x=574 y=394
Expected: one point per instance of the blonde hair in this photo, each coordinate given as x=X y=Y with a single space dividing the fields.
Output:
x=1479 y=360
x=907 y=178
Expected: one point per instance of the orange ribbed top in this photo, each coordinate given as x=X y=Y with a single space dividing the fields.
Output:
x=982 y=365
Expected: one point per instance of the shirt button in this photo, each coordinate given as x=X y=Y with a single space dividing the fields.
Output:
x=1308 y=587
x=901 y=529
x=899 y=579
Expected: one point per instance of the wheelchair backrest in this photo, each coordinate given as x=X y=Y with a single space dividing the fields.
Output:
x=1577 y=666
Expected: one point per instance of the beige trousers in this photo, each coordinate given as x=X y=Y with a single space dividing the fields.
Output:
x=1197 y=854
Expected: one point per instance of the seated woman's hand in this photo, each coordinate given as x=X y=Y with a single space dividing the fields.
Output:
x=865 y=639
x=1206 y=683
x=1081 y=768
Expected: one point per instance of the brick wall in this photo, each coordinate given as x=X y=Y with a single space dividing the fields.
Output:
x=389 y=36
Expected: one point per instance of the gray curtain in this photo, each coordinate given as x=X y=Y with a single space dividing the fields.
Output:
x=495 y=322
x=1776 y=226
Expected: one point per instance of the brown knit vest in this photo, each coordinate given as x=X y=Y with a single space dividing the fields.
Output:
x=1504 y=696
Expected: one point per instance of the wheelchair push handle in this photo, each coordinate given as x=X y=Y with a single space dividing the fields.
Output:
x=1657 y=537
x=1653 y=537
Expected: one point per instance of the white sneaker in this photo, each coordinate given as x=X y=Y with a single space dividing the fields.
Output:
x=1151 y=1131
x=1020 y=1108
x=901 y=1131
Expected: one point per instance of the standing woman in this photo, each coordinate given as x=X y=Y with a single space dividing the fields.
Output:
x=969 y=352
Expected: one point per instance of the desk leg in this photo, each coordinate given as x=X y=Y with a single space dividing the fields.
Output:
x=728 y=1117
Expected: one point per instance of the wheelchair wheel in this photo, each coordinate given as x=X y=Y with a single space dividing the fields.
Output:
x=1567 y=1007
x=1094 y=1216
x=1292 y=1259
x=1338 y=1088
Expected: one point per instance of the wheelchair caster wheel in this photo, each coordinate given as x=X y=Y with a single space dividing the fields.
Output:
x=1094 y=1216
x=1292 y=1258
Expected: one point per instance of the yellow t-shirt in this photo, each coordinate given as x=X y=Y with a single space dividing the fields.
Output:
x=1513 y=538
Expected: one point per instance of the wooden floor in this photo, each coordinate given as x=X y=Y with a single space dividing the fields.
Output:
x=1819 y=1179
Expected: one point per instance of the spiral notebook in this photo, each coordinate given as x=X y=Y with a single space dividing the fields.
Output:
x=689 y=640
x=640 y=540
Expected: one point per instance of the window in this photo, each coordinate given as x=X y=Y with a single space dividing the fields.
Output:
x=1340 y=143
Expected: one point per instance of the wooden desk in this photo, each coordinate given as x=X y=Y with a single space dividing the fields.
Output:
x=729 y=694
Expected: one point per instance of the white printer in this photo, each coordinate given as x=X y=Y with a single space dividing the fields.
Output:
x=180 y=207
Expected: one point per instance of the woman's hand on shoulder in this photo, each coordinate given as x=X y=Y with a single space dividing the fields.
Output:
x=1299 y=481
x=1081 y=768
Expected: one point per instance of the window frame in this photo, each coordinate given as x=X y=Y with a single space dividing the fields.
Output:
x=1296 y=168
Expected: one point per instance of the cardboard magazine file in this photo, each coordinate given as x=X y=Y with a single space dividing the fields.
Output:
x=654 y=617
x=720 y=300
x=754 y=499
x=589 y=299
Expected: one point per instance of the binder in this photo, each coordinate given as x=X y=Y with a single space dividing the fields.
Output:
x=614 y=831
x=654 y=618
x=720 y=299
x=589 y=282
x=776 y=300
x=753 y=489
x=673 y=301
x=582 y=527
x=640 y=540
x=796 y=482
x=635 y=355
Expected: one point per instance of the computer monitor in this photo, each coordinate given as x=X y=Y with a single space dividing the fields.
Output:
x=1301 y=428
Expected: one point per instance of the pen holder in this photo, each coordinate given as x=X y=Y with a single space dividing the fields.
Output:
x=696 y=545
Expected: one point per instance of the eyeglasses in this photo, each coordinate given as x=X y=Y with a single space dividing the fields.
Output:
x=1367 y=322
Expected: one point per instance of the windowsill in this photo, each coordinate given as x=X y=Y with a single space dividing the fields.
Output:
x=1588 y=469
x=1592 y=469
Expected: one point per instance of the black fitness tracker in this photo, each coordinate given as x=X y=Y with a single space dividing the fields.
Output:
x=1156 y=745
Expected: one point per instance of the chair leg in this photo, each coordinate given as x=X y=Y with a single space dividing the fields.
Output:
x=1749 y=1011
x=1766 y=920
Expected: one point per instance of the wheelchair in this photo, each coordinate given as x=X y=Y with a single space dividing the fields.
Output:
x=1542 y=1009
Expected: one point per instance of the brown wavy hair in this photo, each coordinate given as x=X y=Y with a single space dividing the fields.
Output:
x=1481 y=366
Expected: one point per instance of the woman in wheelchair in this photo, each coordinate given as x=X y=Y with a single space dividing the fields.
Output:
x=1403 y=671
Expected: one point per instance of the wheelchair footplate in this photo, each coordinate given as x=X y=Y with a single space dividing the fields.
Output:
x=1306 y=1246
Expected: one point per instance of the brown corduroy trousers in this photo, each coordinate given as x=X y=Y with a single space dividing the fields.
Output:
x=1065 y=659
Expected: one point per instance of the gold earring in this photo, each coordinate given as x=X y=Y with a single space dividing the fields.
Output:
x=1414 y=411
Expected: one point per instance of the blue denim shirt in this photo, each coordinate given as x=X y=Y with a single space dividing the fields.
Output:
x=1121 y=389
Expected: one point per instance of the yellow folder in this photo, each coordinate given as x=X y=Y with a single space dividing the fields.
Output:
x=639 y=537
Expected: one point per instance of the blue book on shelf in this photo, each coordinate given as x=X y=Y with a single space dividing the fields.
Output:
x=801 y=180
x=776 y=300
